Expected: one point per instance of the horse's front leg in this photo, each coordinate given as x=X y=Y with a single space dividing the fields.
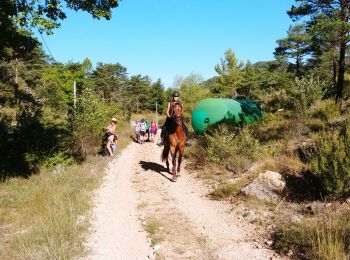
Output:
x=181 y=151
x=167 y=164
x=165 y=156
x=173 y=157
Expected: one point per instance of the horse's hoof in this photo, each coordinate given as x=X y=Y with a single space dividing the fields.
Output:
x=174 y=179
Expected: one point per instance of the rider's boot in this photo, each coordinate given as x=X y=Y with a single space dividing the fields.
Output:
x=161 y=141
x=162 y=136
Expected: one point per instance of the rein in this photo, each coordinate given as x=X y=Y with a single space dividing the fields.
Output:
x=178 y=118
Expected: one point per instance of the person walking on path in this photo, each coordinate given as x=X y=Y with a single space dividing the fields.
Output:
x=153 y=130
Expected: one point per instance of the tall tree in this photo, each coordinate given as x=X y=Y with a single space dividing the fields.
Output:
x=46 y=15
x=230 y=75
x=110 y=81
x=325 y=41
x=339 y=10
x=156 y=94
x=250 y=80
x=15 y=47
x=294 y=46
x=139 y=92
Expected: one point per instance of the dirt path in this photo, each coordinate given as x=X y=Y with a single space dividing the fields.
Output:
x=185 y=224
x=117 y=233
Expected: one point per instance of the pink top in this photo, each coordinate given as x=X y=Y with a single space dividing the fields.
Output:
x=153 y=126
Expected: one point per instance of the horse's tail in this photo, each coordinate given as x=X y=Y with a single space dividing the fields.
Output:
x=165 y=152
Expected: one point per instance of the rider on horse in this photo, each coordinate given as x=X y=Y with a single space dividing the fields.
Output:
x=169 y=113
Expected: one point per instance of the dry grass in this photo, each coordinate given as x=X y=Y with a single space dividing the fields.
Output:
x=325 y=238
x=142 y=205
x=153 y=230
x=46 y=216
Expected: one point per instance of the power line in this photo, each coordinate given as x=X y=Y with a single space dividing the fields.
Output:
x=47 y=47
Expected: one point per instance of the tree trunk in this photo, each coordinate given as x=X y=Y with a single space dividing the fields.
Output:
x=341 y=72
x=17 y=81
x=334 y=65
x=341 y=64
x=298 y=65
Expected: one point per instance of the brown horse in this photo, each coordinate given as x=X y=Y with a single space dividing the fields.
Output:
x=174 y=141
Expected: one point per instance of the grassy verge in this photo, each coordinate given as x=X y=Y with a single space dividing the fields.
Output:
x=326 y=238
x=47 y=216
x=153 y=230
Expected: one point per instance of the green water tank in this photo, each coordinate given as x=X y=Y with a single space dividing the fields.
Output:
x=213 y=111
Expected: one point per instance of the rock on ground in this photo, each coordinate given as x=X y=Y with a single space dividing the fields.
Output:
x=267 y=186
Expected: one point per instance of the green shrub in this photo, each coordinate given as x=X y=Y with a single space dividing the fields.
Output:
x=307 y=90
x=197 y=152
x=91 y=115
x=331 y=160
x=277 y=100
x=231 y=147
x=289 y=238
x=58 y=158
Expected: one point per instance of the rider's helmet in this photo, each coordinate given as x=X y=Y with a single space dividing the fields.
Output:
x=176 y=94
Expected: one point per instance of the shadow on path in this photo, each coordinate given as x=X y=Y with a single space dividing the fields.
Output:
x=156 y=167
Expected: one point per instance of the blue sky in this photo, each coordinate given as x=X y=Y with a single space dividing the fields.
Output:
x=166 y=38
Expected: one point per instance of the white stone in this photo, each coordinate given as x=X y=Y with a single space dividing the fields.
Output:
x=267 y=186
x=269 y=242
x=157 y=247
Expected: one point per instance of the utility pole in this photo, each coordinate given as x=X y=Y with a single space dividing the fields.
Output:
x=75 y=95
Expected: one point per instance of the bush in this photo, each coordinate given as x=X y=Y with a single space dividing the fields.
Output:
x=58 y=158
x=331 y=160
x=231 y=147
x=87 y=122
x=307 y=90
x=277 y=100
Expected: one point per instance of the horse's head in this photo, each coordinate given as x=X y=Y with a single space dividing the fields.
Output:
x=177 y=109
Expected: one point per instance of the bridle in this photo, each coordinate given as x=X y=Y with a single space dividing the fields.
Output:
x=177 y=112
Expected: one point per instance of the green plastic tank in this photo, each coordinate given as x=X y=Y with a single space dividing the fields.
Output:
x=212 y=111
